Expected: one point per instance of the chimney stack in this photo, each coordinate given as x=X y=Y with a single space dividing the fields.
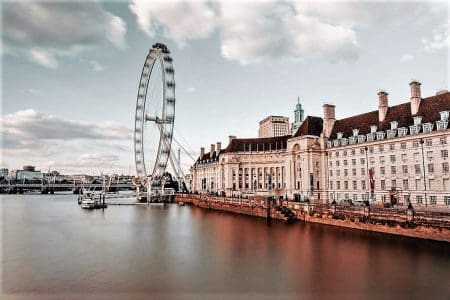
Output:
x=328 y=119
x=415 y=96
x=218 y=147
x=213 y=148
x=202 y=152
x=231 y=137
x=382 y=105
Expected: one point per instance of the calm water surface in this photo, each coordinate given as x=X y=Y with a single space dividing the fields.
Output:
x=51 y=248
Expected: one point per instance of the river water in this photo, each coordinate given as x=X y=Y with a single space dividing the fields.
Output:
x=51 y=248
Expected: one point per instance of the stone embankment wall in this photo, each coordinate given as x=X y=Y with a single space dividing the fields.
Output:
x=420 y=224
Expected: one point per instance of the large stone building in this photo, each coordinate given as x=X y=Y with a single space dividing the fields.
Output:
x=397 y=153
x=273 y=126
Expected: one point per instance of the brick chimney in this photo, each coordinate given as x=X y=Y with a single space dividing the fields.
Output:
x=218 y=147
x=382 y=105
x=328 y=119
x=213 y=148
x=415 y=96
x=202 y=152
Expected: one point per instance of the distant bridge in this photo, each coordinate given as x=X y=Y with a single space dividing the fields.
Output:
x=67 y=186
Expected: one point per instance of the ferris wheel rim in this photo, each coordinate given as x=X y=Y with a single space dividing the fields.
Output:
x=158 y=53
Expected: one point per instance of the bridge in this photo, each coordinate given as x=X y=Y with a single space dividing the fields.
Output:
x=51 y=187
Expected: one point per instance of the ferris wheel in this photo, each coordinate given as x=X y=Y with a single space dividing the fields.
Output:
x=155 y=115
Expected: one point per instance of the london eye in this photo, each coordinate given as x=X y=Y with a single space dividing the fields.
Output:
x=155 y=116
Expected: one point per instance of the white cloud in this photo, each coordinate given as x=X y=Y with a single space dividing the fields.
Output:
x=440 y=39
x=45 y=31
x=97 y=159
x=406 y=58
x=28 y=136
x=116 y=32
x=96 y=66
x=178 y=20
x=252 y=32
x=191 y=89
x=44 y=58
x=27 y=127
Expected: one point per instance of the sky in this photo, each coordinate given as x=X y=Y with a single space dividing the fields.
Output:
x=70 y=70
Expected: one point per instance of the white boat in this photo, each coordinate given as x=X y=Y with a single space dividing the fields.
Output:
x=88 y=203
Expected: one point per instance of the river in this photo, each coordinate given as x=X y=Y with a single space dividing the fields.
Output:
x=51 y=248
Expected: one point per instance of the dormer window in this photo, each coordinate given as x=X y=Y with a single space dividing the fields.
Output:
x=444 y=115
x=391 y=133
x=373 y=128
x=336 y=143
x=339 y=135
x=361 y=138
x=329 y=144
x=414 y=129
x=344 y=142
x=381 y=135
x=352 y=140
x=371 y=136
x=394 y=125
x=417 y=120
x=402 y=131
x=442 y=124
x=427 y=127
x=355 y=132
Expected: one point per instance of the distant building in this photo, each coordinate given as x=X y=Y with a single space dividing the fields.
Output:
x=273 y=126
x=4 y=172
x=80 y=178
x=53 y=176
x=396 y=153
x=298 y=117
x=27 y=173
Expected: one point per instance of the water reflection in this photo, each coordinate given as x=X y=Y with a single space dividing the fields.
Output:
x=52 y=246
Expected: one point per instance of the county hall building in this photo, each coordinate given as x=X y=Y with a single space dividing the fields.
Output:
x=396 y=153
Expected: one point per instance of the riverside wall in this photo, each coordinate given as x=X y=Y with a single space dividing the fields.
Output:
x=421 y=224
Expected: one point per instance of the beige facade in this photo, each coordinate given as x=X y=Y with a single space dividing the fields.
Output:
x=378 y=156
x=273 y=126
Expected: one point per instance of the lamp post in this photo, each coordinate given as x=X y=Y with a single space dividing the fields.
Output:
x=327 y=177
x=423 y=167
x=366 y=202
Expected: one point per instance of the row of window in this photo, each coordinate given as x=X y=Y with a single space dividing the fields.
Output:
x=405 y=170
x=431 y=184
x=391 y=147
x=392 y=158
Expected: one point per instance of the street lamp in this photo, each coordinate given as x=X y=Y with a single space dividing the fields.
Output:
x=423 y=167
x=366 y=202
x=367 y=211
x=410 y=213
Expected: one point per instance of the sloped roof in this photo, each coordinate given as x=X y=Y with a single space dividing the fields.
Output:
x=258 y=144
x=429 y=110
x=310 y=126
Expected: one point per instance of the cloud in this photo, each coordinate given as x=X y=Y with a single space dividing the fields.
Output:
x=97 y=159
x=178 y=20
x=406 y=58
x=28 y=128
x=191 y=89
x=31 y=137
x=252 y=32
x=96 y=66
x=44 y=58
x=45 y=31
x=440 y=39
